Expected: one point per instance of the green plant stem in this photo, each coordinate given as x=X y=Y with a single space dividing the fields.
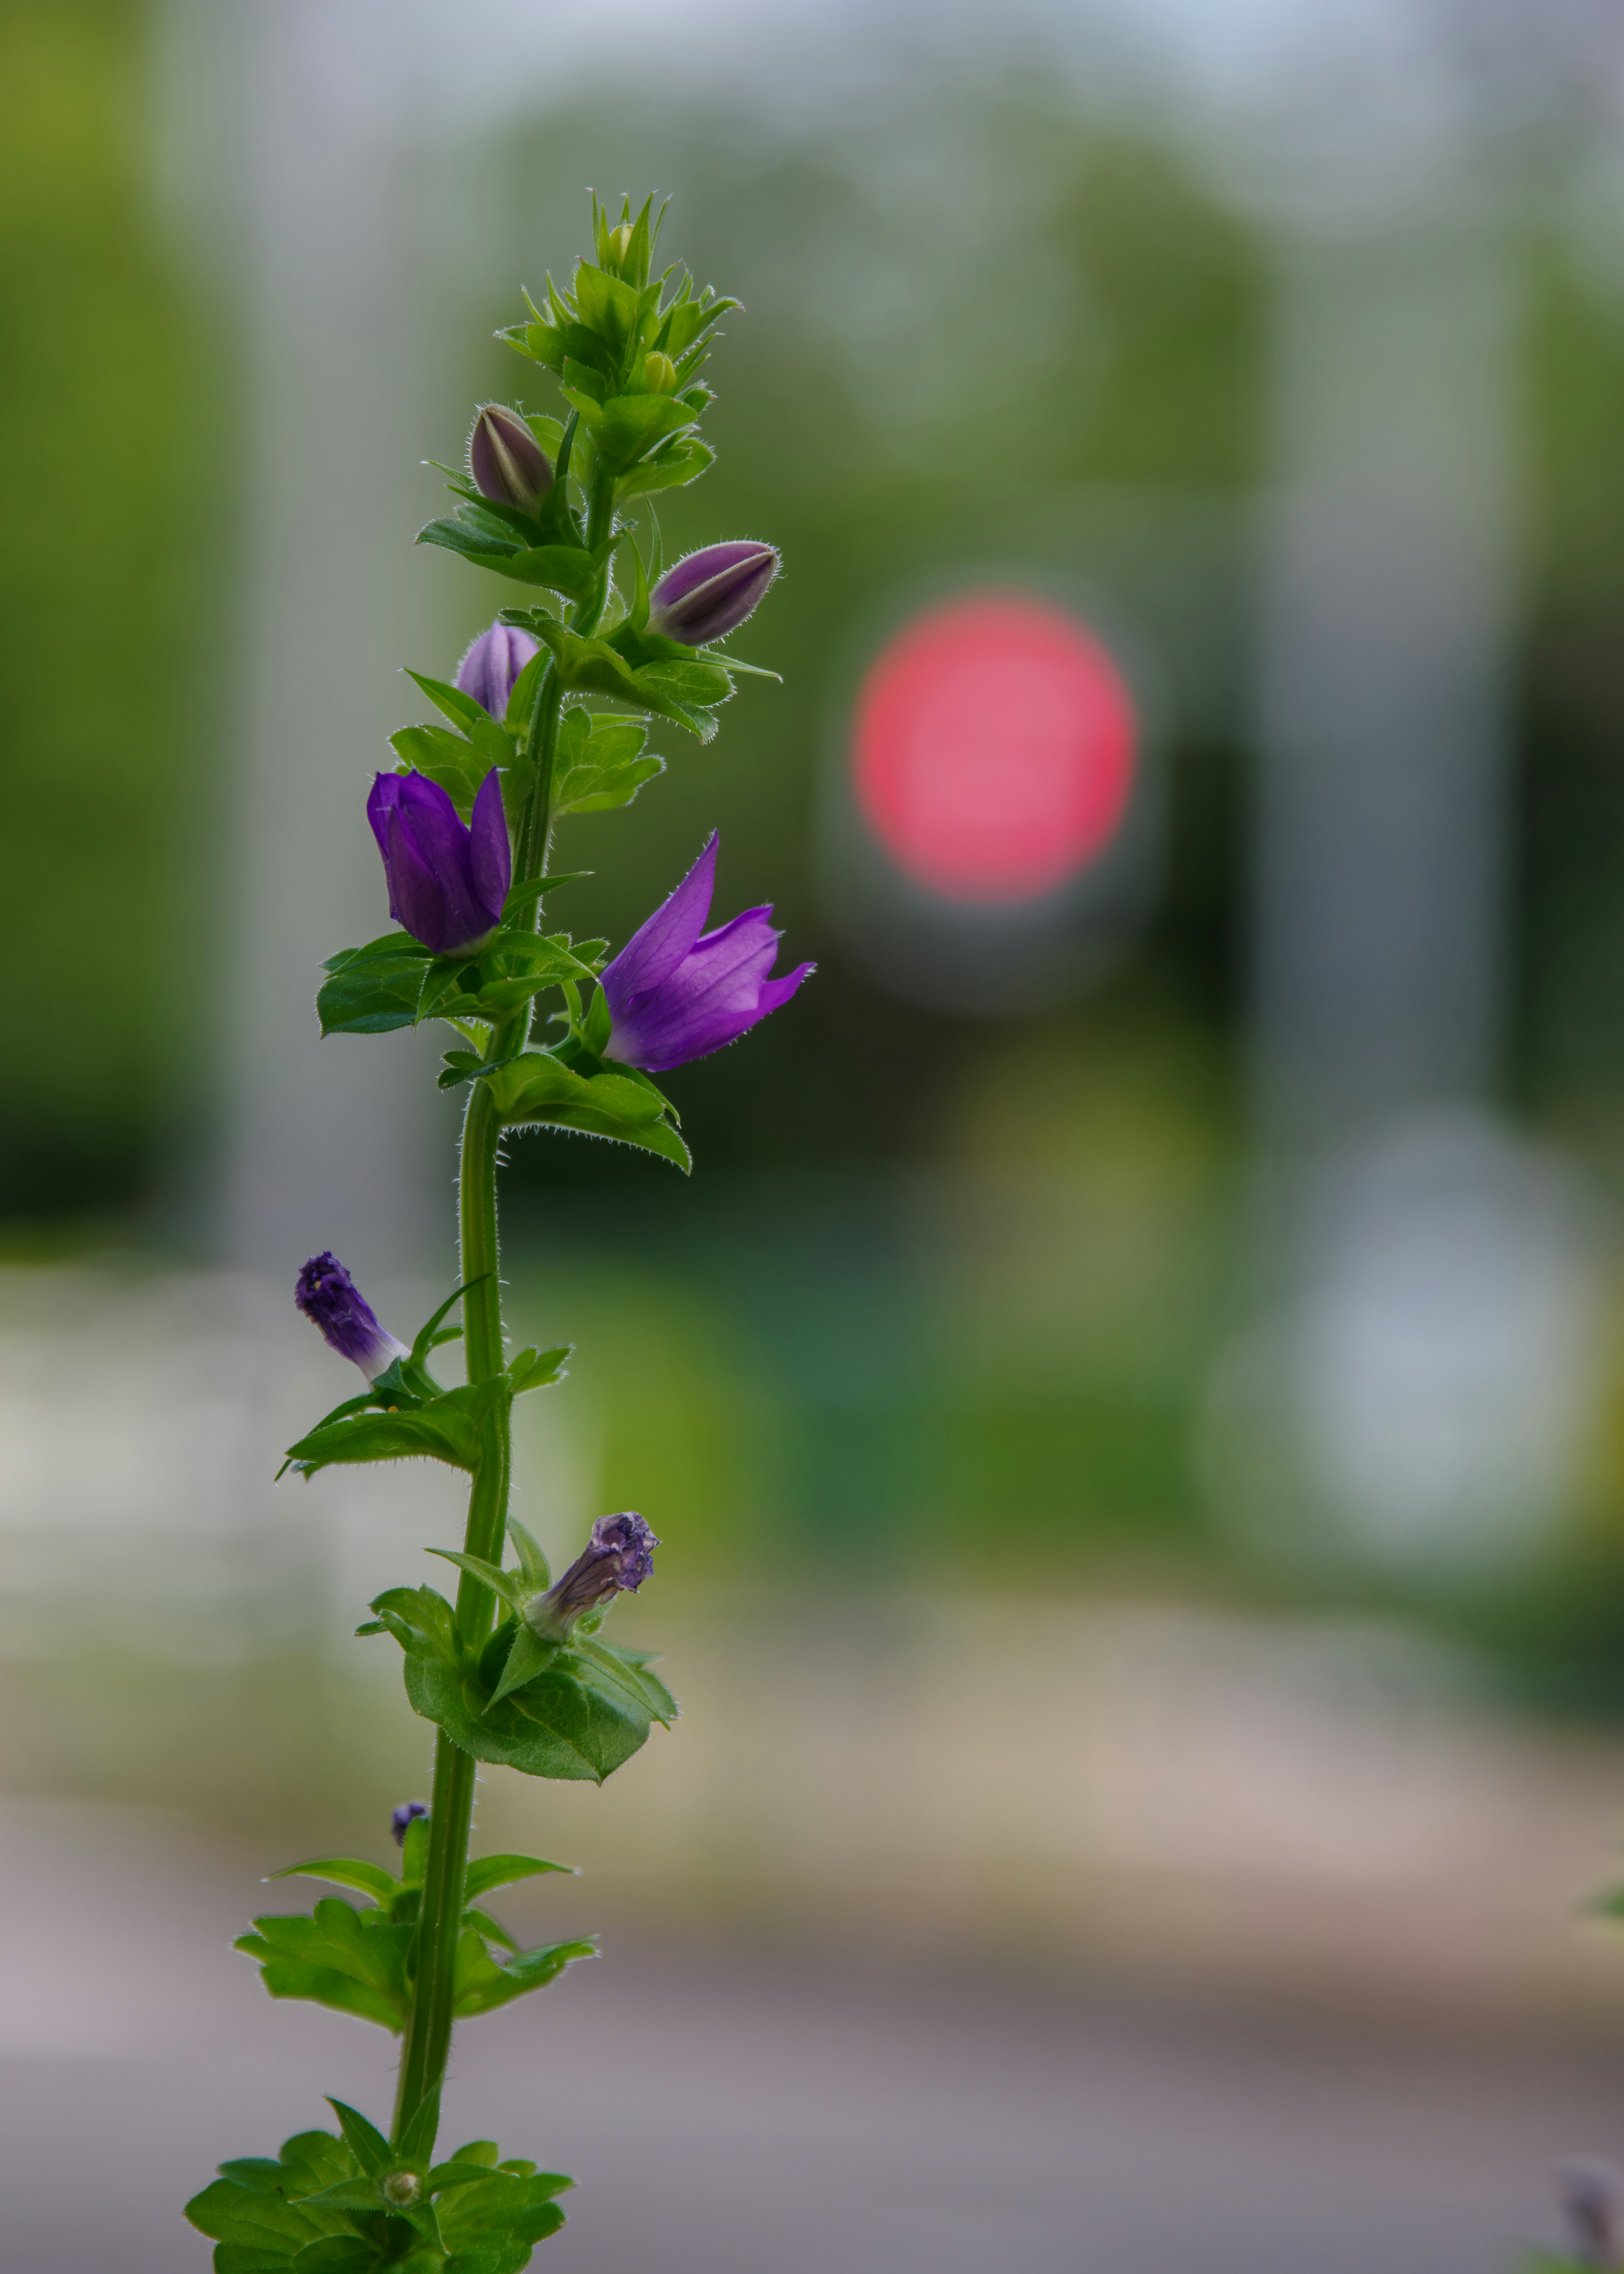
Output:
x=426 y=2045
x=541 y=741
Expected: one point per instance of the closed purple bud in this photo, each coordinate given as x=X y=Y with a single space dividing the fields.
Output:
x=1592 y=2197
x=508 y=463
x=447 y=881
x=327 y=1295
x=712 y=593
x=677 y=992
x=490 y=670
x=616 y=1559
x=407 y=1812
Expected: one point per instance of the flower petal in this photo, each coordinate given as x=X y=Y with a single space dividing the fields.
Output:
x=489 y=860
x=653 y=953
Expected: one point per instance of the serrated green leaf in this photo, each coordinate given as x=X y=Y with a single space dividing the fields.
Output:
x=373 y=989
x=446 y=1428
x=572 y=1722
x=537 y=1087
x=490 y=1872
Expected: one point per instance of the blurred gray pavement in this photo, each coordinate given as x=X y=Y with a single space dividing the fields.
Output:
x=774 y=2108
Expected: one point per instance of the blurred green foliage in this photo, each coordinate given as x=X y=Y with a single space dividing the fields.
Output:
x=108 y=546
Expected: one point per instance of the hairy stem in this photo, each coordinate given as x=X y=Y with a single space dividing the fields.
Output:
x=426 y=2045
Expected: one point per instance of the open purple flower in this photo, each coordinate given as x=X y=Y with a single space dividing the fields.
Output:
x=326 y=1294
x=676 y=991
x=490 y=670
x=616 y=1559
x=712 y=593
x=447 y=883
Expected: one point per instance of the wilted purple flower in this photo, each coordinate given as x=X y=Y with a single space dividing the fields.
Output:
x=712 y=593
x=447 y=883
x=677 y=992
x=508 y=463
x=406 y=1813
x=327 y=1295
x=1592 y=2198
x=490 y=670
x=618 y=1558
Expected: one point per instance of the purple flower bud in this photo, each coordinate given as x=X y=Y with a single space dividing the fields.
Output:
x=508 y=463
x=490 y=670
x=677 y=992
x=326 y=1294
x=712 y=593
x=618 y=1558
x=447 y=883
x=1592 y=2196
x=406 y=1813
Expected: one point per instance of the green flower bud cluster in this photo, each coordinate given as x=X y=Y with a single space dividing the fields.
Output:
x=627 y=348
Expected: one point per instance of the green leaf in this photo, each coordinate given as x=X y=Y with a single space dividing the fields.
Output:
x=532 y=1563
x=446 y=1428
x=527 y=1655
x=607 y=305
x=594 y=666
x=672 y=468
x=254 y=2210
x=461 y=708
x=534 y=1369
x=446 y=758
x=346 y=1871
x=365 y=2141
x=489 y=1872
x=485 y=1985
x=415 y=1847
x=425 y=1625
x=522 y=895
x=537 y=1087
x=502 y=1585
x=353 y=1960
x=576 y=1721
x=373 y=989
x=599 y=763
x=512 y=967
x=488 y=1928
x=417 y=2134
x=481 y=538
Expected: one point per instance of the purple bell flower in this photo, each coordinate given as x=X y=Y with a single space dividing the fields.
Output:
x=329 y=1296
x=677 y=992
x=406 y=1813
x=616 y=1559
x=508 y=463
x=712 y=593
x=447 y=883
x=490 y=670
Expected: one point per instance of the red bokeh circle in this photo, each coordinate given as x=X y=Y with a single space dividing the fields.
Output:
x=994 y=747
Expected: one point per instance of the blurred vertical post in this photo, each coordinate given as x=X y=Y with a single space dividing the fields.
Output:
x=295 y=128
x=1387 y=604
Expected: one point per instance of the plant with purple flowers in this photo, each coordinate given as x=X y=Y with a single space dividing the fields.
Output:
x=548 y=714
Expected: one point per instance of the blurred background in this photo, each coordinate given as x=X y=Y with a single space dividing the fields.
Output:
x=1134 y=1391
